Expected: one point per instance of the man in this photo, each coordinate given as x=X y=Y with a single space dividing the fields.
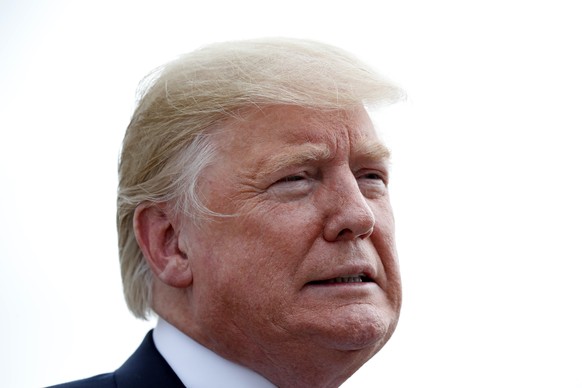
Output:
x=254 y=219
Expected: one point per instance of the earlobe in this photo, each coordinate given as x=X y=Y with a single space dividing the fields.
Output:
x=158 y=235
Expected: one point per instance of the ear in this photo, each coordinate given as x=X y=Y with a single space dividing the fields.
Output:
x=158 y=235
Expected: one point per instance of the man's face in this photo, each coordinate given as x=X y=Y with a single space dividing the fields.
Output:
x=305 y=257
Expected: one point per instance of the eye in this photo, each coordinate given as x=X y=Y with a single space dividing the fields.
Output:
x=291 y=178
x=293 y=182
x=292 y=187
x=373 y=177
x=372 y=183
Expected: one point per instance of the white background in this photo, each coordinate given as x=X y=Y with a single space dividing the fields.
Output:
x=486 y=177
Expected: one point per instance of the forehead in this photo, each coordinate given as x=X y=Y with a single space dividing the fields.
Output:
x=286 y=126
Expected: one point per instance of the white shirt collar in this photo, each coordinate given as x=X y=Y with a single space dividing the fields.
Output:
x=199 y=367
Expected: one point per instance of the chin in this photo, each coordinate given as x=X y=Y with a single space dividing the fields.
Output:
x=359 y=329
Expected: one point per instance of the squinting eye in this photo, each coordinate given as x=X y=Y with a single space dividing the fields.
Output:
x=291 y=187
x=372 y=176
x=292 y=178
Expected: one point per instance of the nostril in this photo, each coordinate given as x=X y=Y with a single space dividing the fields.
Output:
x=367 y=233
x=345 y=224
x=347 y=233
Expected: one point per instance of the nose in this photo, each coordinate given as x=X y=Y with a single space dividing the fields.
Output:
x=349 y=215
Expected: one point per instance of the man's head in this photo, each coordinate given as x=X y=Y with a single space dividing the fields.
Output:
x=253 y=210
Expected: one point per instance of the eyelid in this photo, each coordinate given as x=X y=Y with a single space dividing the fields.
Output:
x=365 y=173
x=291 y=186
x=305 y=172
x=293 y=157
x=291 y=178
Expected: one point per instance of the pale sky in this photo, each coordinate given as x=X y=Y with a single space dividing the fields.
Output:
x=486 y=177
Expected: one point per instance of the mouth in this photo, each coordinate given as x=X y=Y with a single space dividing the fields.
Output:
x=357 y=278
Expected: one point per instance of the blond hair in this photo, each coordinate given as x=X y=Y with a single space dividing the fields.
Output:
x=168 y=141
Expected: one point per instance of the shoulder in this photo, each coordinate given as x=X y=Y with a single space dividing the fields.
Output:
x=146 y=368
x=106 y=380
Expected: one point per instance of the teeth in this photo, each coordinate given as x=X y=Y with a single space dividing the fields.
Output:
x=347 y=279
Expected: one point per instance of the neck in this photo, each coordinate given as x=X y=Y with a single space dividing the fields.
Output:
x=312 y=370
x=284 y=360
x=288 y=364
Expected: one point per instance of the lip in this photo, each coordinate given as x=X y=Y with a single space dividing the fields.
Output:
x=344 y=276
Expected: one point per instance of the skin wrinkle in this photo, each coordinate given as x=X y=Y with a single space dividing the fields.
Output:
x=249 y=300
x=369 y=150
x=184 y=97
x=308 y=151
x=292 y=157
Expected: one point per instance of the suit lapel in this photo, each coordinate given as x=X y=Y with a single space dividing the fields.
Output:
x=146 y=368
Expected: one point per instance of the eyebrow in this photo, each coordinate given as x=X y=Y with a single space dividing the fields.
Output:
x=372 y=150
x=369 y=149
x=293 y=156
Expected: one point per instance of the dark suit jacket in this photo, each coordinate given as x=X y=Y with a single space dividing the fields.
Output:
x=146 y=368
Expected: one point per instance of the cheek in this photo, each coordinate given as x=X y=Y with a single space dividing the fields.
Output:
x=264 y=247
x=291 y=227
x=265 y=251
x=384 y=217
x=384 y=241
x=260 y=246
